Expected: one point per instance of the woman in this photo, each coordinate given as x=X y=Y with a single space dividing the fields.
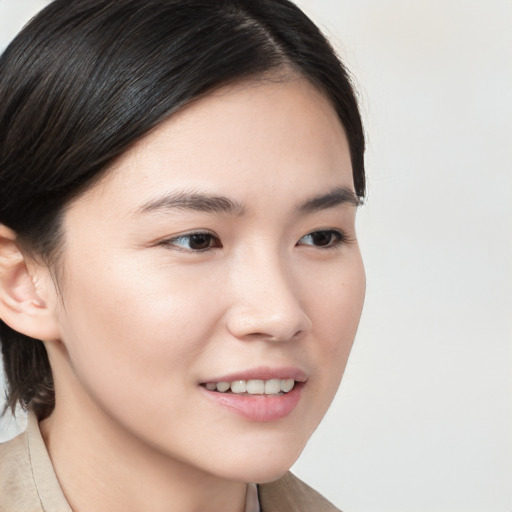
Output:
x=180 y=281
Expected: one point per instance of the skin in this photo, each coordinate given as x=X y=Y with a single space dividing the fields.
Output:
x=141 y=318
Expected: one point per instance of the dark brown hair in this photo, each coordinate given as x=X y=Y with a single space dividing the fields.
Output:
x=86 y=79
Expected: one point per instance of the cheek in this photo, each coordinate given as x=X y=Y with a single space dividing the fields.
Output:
x=338 y=303
x=336 y=318
x=132 y=324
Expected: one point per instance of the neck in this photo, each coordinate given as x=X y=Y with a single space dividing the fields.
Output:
x=100 y=466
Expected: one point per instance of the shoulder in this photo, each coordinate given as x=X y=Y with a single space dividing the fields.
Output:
x=290 y=494
x=14 y=459
x=17 y=486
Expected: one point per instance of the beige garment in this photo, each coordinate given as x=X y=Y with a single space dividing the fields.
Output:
x=28 y=482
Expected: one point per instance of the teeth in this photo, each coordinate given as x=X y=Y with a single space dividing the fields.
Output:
x=287 y=385
x=272 y=387
x=239 y=386
x=222 y=386
x=253 y=387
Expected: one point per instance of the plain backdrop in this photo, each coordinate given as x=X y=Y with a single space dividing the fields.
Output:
x=423 y=419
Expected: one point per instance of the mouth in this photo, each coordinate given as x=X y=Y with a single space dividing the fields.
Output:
x=271 y=387
x=258 y=395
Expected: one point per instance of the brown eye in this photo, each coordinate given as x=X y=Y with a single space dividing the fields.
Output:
x=194 y=242
x=200 y=242
x=323 y=238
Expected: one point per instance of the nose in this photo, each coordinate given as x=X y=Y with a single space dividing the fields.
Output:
x=267 y=303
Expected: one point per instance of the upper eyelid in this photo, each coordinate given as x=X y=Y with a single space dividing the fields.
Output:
x=340 y=234
x=171 y=241
x=347 y=239
x=343 y=236
x=339 y=231
x=190 y=233
x=197 y=233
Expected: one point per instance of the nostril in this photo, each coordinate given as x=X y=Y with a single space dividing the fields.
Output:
x=269 y=320
x=277 y=338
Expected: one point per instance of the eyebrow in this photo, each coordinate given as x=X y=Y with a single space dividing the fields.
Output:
x=194 y=201
x=338 y=196
x=200 y=202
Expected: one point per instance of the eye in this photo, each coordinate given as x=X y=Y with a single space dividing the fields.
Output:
x=194 y=242
x=325 y=238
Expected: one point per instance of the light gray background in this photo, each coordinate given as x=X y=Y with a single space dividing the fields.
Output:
x=423 y=420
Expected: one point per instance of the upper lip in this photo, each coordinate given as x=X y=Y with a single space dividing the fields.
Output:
x=262 y=373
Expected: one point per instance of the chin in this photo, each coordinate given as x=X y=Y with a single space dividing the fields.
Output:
x=268 y=476
x=260 y=475
x=264 y=463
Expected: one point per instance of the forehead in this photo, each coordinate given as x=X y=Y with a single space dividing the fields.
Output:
x=241 y=138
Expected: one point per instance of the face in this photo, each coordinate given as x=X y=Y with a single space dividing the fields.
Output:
x=221 y=248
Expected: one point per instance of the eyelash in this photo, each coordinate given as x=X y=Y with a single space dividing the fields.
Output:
x=189 y=236
x=336 y=239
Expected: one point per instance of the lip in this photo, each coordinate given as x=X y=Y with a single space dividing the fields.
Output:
x=262 y=373
x=259 y=408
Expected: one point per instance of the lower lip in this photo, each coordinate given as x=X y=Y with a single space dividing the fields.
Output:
x=259 y=408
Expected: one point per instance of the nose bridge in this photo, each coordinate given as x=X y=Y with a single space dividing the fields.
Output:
x=267 y=302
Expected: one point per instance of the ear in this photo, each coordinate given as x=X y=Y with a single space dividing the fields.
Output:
x=22 y=306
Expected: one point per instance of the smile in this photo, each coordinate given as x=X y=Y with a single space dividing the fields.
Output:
x=272 y=387
x=260 y=402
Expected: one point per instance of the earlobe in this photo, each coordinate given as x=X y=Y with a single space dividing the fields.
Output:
x=21 y=306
